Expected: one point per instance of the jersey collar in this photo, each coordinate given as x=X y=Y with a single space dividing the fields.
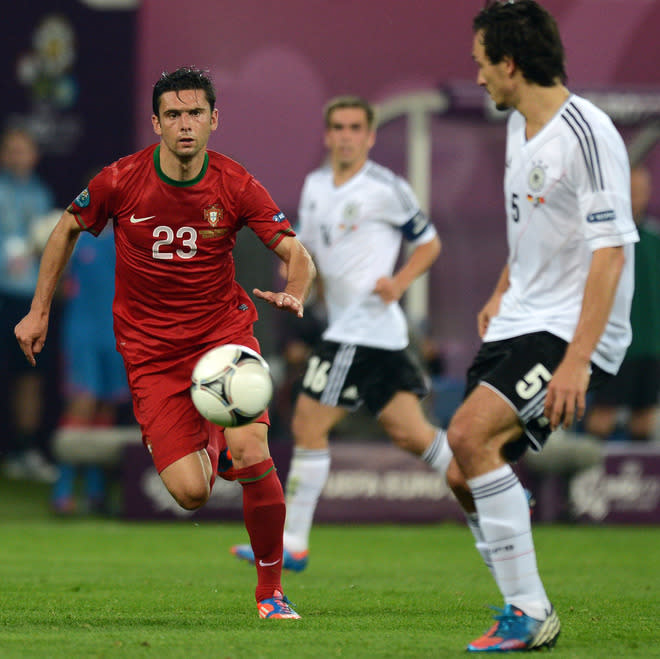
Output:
x=179 y=184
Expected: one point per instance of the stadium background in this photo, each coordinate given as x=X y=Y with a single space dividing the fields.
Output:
x=81 y=72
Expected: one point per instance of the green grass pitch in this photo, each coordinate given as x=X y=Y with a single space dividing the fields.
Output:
x=85 y=588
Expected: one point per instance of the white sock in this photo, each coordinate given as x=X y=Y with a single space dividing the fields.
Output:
x=438 y=455
x=480 y=543
x=307 y=476
x=503 y=513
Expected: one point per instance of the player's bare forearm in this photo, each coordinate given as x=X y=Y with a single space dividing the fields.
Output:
x=420 y=260
x=31 y=331
x=391 y=289
x=300 y=271
x=599 y=293
x=566 y=398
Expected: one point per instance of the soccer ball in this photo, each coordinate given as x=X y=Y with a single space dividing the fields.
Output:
x=231 y=385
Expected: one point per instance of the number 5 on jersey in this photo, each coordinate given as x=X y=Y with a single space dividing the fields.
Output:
x=533 y=381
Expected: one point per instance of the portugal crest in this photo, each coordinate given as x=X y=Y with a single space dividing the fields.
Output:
x=213 y=214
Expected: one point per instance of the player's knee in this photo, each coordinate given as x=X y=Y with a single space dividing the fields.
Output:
x=248 y=447
x=461 y=439
x=191 y=496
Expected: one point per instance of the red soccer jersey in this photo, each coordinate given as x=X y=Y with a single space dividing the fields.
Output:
x=174 y=285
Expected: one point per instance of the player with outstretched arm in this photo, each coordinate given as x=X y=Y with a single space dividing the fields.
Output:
x=176 y=208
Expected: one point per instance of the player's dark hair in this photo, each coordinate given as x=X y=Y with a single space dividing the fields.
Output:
x=526 y=32
x=348 y=101
x=185 y=77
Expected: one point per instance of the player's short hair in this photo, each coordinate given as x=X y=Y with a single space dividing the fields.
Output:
x=349 y=101
x=526 y=32
x=185 y=77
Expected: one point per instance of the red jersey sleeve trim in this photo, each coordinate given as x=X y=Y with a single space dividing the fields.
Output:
x=279 y=236
x=81 y=222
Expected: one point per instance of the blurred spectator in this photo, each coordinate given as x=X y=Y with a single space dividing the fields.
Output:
x=24 y=201
x=635 y=389
x=94 y=373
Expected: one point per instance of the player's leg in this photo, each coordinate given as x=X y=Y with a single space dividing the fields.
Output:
x=264 y=513
x=328 y=392
x=308 y=472
x=80 y=378
x=642 y=424
x=403 y=419
x=176 y=436
x=643 y=401
x=600 y=420
x=477 y=433
x=606 y=401
x=484 y=433
x=188 y=479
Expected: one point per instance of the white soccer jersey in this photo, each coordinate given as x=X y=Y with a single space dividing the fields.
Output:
x=567 y=193
x=354 y=232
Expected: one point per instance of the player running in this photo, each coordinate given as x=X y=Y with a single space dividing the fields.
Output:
x=176 y=208
x=354 y=216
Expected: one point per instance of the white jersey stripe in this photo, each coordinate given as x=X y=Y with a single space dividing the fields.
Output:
x=588 y=154
x=598 y=169
x=337 y=375
x=529 y=410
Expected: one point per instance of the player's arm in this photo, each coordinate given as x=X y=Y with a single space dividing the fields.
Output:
x=492 y=306
x=565 y=400
x=391 y=289
x=31 y=331
x=300 y=273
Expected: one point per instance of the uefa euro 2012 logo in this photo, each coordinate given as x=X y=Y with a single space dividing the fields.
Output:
x=46 y=69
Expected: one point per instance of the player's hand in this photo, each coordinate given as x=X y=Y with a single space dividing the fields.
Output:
x=487 y=312
x=388 y=290
x=31 y=336
x=281 y=300
x=567 y=391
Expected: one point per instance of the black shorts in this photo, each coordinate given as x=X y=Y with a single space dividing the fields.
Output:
x=519 y=369
x=346 y=375
x=635 y=386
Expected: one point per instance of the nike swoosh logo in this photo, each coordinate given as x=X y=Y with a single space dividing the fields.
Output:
x=137 y=220
x=268 y=564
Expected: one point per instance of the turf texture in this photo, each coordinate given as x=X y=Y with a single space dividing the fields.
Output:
x=103 y=588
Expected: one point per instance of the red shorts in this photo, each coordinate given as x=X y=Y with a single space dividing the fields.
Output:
x=171 y=425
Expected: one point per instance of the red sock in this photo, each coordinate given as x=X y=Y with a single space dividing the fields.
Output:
x=264 y=512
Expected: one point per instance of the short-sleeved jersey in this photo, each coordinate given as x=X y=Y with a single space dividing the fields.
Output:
x=174 y=283
x=354 y=231
x=567 y=194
